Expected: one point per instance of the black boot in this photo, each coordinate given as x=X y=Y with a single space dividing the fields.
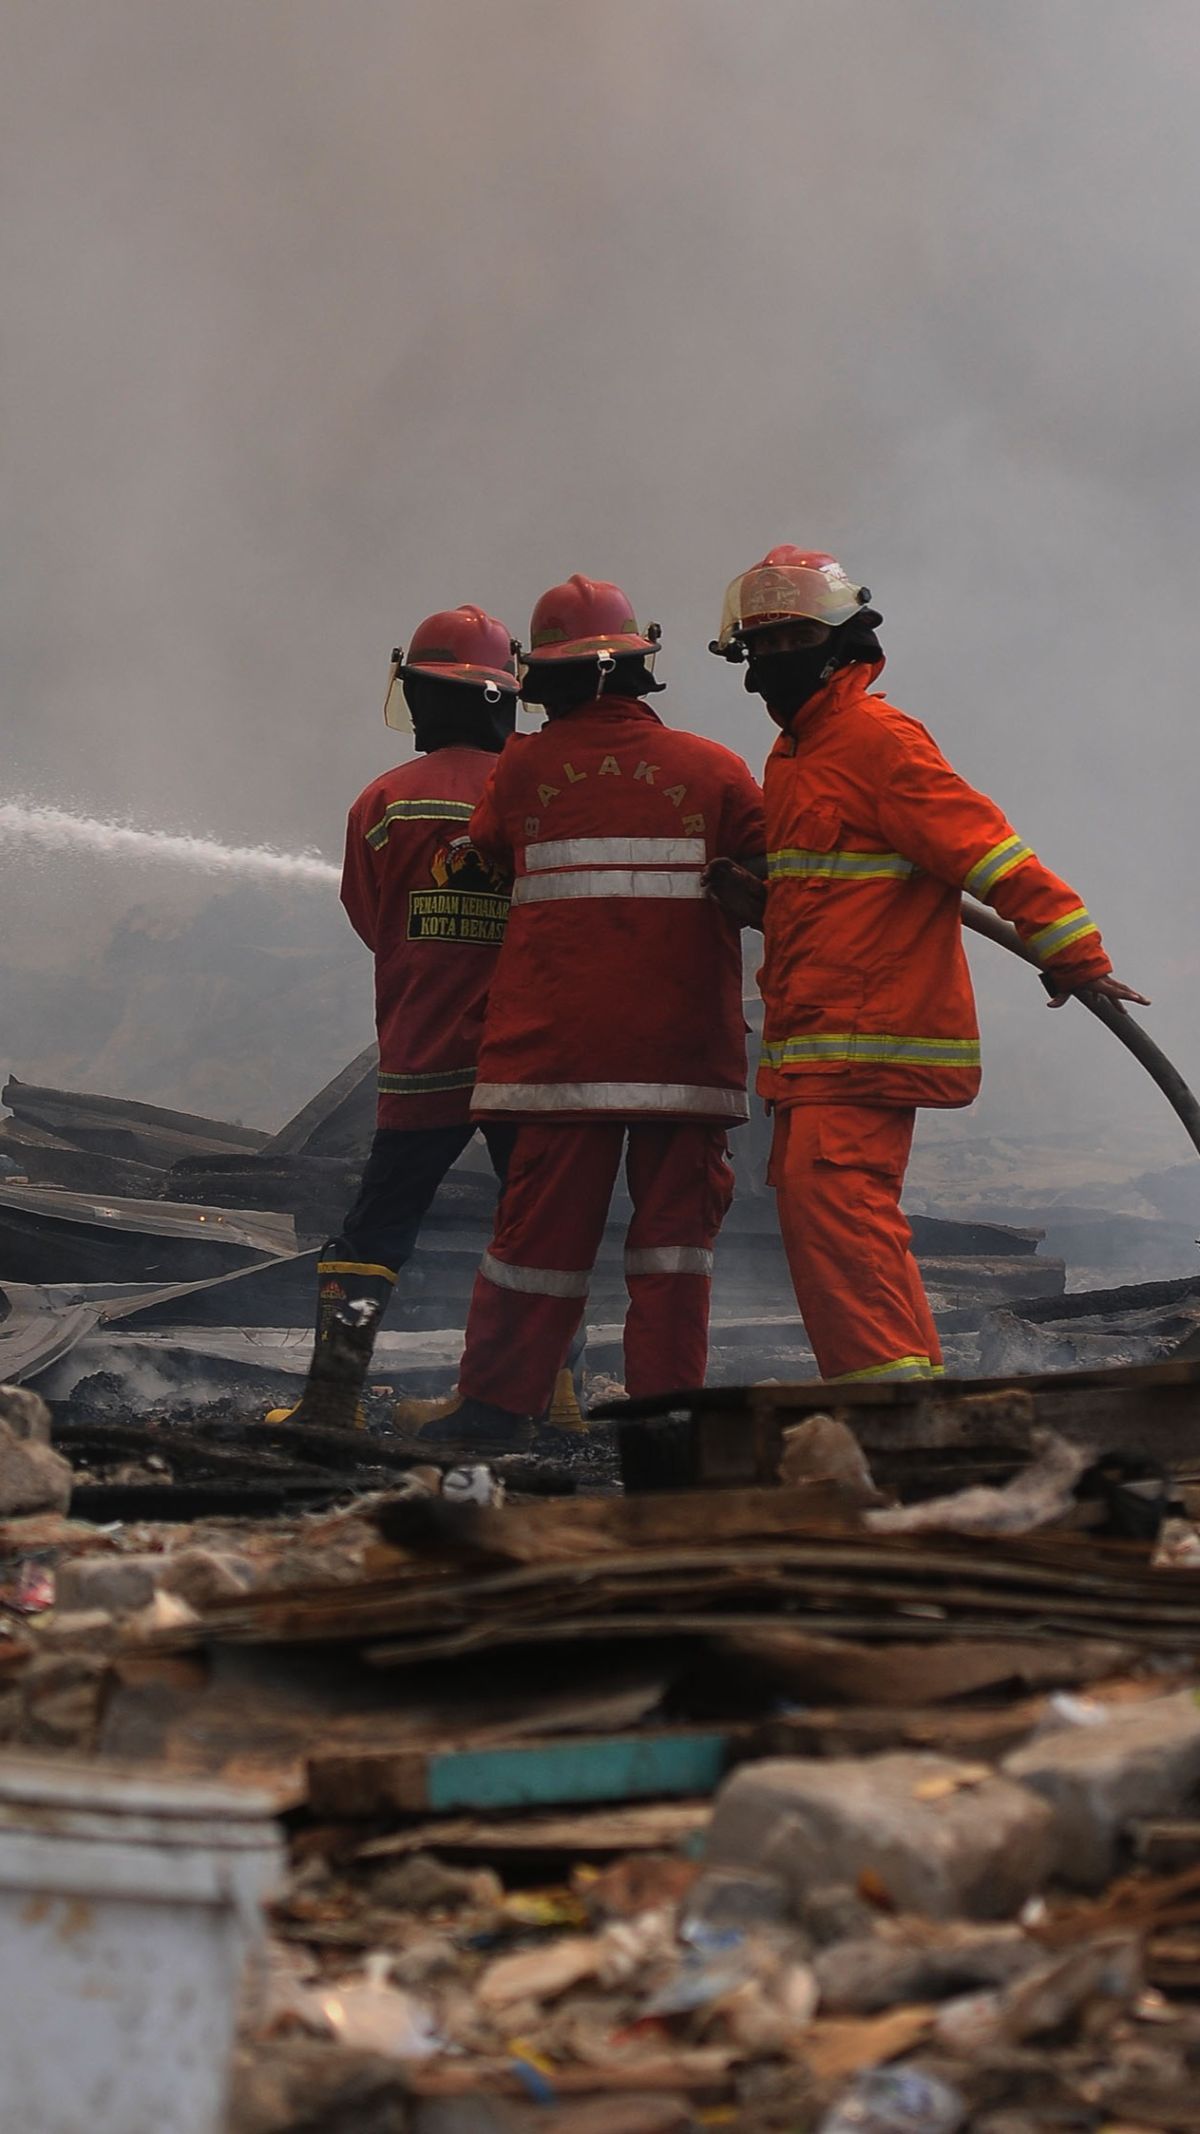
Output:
x=475 y=1426
x=351 y=1297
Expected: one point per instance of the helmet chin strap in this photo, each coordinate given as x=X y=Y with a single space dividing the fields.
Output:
x=605 y=664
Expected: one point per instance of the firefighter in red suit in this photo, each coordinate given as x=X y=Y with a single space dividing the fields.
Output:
x=614 y=1023
x=433 y=915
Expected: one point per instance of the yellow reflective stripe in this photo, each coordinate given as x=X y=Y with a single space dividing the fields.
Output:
x=1064 y=933
x=899 y=1367
x=405 y=1085
x=793 y=860
x=419 y=811
x=356 y=1267
x=1012 y=852
x=872 y=1045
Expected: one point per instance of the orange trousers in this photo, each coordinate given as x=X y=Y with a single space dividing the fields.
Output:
x=838 y=1170
x=531 y=1290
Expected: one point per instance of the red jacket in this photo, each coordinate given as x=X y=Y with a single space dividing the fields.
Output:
x=618 y=991
x=871 y=838
x=434 y=919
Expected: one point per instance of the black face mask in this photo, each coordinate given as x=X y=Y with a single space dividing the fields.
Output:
x=454 y=715
x=786 y=680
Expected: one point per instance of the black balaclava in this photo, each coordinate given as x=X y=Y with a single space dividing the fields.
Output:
x=562 y=686
x=457 y=715
x=786 y=680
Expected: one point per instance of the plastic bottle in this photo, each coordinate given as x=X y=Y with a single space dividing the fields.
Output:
x=896 y=2100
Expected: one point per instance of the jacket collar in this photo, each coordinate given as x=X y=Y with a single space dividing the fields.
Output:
x=845 y=687
x=608 y=709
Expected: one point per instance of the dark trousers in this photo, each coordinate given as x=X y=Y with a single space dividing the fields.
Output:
x=400 y=1182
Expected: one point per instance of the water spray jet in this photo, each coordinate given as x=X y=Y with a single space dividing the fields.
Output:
x=30 y=826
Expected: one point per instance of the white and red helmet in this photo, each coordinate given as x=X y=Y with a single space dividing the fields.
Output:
x=790 y=584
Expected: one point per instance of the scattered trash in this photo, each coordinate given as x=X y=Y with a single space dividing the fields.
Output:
x=376 y=2016
x=897 y=2101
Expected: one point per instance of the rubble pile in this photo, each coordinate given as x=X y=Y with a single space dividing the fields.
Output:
x=780 y=1806
x=167 y=1257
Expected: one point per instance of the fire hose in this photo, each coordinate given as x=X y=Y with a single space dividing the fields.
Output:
x=979 y=920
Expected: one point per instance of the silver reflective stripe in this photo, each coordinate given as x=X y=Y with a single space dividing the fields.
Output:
x=1064 y=933
x=535 y=1281
x=605 y=882
x=669 y=1259
x=1011 y=852
x=616 y=852
x=688 y=1097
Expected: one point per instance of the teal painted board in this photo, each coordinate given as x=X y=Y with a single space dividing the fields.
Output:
x=547 y=1774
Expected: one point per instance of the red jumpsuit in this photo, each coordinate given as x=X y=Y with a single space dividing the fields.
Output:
x=615 y=1013
x=869 y=1010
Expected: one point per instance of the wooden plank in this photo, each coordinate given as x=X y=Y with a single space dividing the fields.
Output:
x=621 y=1767
x=862 y=1731
x=732 y=1434
x=643 y=1826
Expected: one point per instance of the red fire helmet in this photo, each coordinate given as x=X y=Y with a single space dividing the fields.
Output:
x=586 y=618
x=464 y=645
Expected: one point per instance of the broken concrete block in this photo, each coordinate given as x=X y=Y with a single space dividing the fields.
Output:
x=199 y=1576
x=60 y=1699
x=119 y=1584
x=940 y=1842
x=736 y=1897
x=908 y=1961
x=74 y=1629
x=26 y=1413
x=834 y=1911
x=32 y=1477
x=1144 y=1759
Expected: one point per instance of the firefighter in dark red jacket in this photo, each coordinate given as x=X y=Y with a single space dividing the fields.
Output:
x=614 y=1022
x=433 y=915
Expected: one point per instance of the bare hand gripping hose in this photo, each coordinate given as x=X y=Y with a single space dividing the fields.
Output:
x=980 y=920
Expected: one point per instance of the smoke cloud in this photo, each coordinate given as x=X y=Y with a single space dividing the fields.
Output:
x=321 y=317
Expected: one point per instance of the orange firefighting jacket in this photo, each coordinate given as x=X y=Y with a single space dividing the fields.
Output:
x=619 y=987
x=871 y=838
x=434 y=918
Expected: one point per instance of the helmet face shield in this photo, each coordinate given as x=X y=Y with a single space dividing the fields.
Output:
x=787 y=592
x=396 y=713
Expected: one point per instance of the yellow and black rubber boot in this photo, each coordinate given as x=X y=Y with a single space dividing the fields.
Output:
x=352 y=1296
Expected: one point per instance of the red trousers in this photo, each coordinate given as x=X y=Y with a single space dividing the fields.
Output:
x=532 y=1286
x=838 y=1170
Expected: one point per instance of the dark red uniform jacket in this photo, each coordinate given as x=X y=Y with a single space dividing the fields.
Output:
x=619 y=987
x=433 y=916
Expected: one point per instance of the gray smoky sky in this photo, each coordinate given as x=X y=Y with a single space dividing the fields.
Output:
x=319 y=316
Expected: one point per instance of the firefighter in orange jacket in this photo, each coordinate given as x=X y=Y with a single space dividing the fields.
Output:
x=869 y=1012
x=614 y=1021
x=433 y=916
